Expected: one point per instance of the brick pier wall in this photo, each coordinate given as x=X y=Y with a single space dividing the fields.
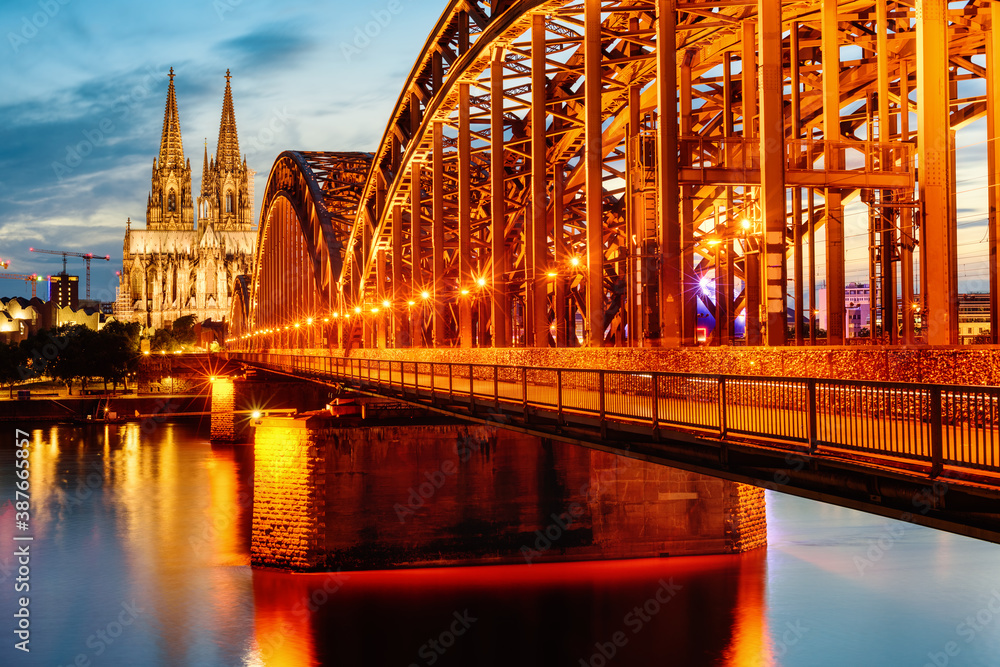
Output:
x=289 y=498
x=331 y=494
x=223 y=401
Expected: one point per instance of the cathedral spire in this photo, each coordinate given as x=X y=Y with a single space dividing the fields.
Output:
x=171 y=148
x=228 y=151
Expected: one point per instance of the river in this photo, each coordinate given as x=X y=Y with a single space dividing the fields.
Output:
x=140 y=557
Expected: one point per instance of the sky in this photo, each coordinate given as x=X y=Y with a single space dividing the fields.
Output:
x=84 y=85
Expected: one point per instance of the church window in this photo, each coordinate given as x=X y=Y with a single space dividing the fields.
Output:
x=229 y=202
x=210 y=282
x=171 y=202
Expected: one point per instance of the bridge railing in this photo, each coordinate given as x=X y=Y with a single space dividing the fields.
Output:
x=916 y=423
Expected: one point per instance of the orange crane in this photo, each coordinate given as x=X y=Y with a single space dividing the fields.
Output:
x=87 y=256
x=33 y=279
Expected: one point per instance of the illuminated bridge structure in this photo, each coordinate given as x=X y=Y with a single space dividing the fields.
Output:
x=612 y=173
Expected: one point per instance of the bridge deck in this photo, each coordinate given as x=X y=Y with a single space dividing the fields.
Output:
x=925 y=453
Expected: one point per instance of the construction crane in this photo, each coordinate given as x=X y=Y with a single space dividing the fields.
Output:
x=87 y=256
x=33 y=279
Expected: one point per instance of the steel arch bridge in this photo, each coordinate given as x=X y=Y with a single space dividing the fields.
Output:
x=607 y=172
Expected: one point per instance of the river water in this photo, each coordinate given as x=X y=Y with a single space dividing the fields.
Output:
x=140 y=557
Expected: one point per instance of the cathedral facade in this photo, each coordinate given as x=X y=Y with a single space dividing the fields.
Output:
x=179 y=264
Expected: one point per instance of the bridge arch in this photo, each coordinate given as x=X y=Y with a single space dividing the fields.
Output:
x=607 y=172
x=308 y=205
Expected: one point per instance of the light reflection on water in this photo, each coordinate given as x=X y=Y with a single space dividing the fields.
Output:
x=141 y=558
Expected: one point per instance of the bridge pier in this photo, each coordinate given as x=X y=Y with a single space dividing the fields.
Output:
x=352 y=494
x=223 y=428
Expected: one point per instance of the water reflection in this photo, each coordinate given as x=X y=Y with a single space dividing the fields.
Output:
x=159 y=522
x=637 y=612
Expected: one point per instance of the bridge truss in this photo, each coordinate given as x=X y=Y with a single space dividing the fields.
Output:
x=604 y=172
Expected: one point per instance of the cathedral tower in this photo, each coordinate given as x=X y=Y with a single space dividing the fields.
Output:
x=170 y=205
x=226 y=200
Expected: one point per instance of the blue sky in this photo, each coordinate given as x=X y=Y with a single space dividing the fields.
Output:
x=84 y=85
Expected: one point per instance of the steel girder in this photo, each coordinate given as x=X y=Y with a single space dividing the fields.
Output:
x=550 y=176
x=308 y=208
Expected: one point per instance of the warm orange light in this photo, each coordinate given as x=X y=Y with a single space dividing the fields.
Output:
x=374 y=311
x=357 y=309
x=551 y=274
x=386 y=304
x=411 y=303
x=574 y=261
x=464 y=292
x=145 y=351
x=296 y=325
x=425 y=295
x=336 y=315
x=309 y=320
x=745 y=223
x=713 y=241
x=481 y=282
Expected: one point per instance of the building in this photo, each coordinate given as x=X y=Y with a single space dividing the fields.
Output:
x=179 y=264
x=20 y=317
x=974 y=318
x=65 y=290
x=857 y=309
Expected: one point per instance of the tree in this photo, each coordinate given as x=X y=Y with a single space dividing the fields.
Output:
x=117 y=355
x=78 y=358
x=183 y=330
x=163 y=340
x=12 y=366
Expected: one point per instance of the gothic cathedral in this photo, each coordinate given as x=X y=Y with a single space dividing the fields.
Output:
x=181 y=265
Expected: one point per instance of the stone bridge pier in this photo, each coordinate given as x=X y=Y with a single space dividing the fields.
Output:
x=377 y=493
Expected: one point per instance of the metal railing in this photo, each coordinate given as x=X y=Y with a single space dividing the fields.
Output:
x=900 y=422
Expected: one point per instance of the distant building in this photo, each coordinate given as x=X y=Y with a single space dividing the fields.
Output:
x=974 y=318
x=177 y=265
x=65 y=290
x=857 y=309
x=20 y=317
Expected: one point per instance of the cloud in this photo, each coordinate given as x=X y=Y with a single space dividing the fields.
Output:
x=269 y=47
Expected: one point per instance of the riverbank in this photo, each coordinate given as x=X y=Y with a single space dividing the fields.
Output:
x=82 y=408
